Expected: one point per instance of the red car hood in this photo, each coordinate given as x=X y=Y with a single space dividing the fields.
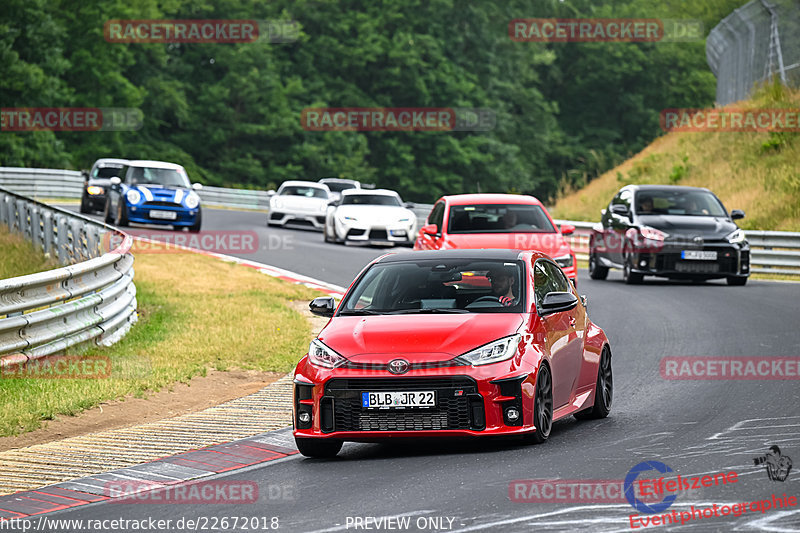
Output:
x=552 y=244
x=416 y=338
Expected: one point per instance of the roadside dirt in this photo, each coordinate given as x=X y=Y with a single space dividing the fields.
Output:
x=201 y=393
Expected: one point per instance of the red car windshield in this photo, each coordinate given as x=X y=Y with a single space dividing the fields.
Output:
x=499 y=218
x=463 y=286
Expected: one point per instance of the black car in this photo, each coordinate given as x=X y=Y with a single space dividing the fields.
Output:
x=669 y=231
x=96 y=183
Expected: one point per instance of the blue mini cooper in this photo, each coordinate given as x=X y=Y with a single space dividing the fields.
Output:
x=154 y=192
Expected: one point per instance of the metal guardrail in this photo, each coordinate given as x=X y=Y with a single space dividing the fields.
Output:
x=249 y=199
x=93 y=298
x=772 y=252
x=55 y=183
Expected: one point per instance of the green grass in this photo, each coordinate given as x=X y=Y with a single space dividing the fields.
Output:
x=757 y=172
x=195 y=313
x=19 y=257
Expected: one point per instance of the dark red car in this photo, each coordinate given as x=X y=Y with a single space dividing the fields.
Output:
x=450 y=343
x=497 y=221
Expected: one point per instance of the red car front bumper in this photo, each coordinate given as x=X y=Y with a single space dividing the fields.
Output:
x=470 y=401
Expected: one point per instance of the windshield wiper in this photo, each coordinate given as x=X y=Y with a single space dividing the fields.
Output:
x=433 y=310
x=356 y=312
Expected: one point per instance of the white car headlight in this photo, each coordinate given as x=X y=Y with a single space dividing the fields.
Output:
x=133 y=196
x=563 y=261
x=276 y=203
x=321 y=355
x=652 y=233
x=323 y=207
x=494 y=352
x=192 y=200
x=736 y=237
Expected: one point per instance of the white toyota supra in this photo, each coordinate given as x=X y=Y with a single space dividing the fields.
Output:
x=370 y=216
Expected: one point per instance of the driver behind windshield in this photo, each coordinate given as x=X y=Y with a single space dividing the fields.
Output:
x=645 y=205
x=503 y=284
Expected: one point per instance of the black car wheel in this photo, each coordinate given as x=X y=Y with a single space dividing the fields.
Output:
x=542 y=407
x=595 y=270
x=122 y=214
x=318 y=448
x=84 y=205
x=736 y=280
x=107 y=213
x=628 y=275
x=604 y=390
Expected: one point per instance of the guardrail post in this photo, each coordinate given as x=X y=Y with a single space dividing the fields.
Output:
x=93 y=241
x=36 y=227
x=4 y=199
x=61 y=240
x=78 y=240
x=47 y=232
x=19 y=212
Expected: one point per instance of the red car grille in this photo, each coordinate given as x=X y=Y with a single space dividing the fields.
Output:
x=459 y=406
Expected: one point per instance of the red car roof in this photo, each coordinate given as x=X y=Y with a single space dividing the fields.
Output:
x=467 y=199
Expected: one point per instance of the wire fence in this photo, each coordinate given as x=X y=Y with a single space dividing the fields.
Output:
x=757 y=42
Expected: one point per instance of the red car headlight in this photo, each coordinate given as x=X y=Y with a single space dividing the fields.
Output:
x=494 y=352
x=321 y=355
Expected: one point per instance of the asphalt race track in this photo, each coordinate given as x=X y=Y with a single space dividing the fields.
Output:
x=695 y=427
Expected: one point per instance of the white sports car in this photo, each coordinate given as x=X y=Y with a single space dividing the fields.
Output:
x=370 y=216
x=303 y=202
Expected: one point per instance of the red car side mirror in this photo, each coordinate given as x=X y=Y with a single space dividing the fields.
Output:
x=430 y=229
x=567 y=229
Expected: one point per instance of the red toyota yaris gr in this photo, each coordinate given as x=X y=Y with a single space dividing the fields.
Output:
x=497 y=221
x=450 y=343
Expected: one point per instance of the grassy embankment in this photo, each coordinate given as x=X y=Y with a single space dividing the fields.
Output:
x=756 y=172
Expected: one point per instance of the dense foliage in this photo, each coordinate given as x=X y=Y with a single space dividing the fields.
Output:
x=231 y=112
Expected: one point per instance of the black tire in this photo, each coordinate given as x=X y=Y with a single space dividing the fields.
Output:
x=595 y=270
x=84 y=205
x=628 y=276
x=604 y=390
x=122 y=214
x=318 y=448
x=198 y=223
x=736 y=281
x=542 y=407
x=107 y=213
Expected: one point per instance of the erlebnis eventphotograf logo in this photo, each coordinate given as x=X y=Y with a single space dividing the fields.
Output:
x=778 y=466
